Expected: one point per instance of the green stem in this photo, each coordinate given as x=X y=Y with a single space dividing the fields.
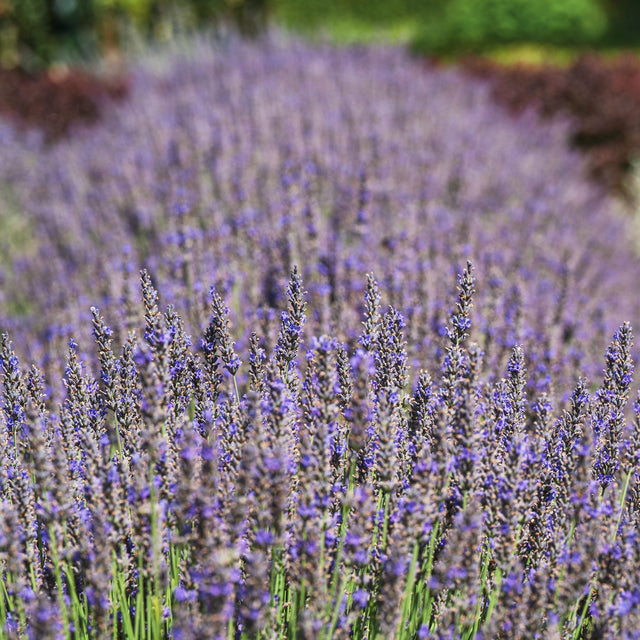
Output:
x=493 y=600
x=76 y=605
x=235 y=385
x=408 y=591
x=118 y=438
x=5 y=602
x=484 y=572
x=625 y=488
x=59 y=588
x=336 y=608
x=578 y=632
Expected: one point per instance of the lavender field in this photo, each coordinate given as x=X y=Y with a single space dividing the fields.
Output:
x=306 y=342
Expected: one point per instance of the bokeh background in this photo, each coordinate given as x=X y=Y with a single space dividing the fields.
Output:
x=145 y=134
x=37 y=33
x=60 y=60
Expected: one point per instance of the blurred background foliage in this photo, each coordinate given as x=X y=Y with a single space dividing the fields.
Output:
x=36 y=33
x=475 y=24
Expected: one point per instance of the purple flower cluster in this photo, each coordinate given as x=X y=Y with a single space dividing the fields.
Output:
x=234 y=163
x=324 y=498
x=345 y=455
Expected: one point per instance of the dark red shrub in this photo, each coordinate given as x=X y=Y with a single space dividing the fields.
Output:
x=601 y=96
x=54 y=101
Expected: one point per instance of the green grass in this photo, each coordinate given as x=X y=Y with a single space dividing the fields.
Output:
x=345 y=30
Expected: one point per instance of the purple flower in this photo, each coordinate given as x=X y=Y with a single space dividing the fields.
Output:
x=361 y=597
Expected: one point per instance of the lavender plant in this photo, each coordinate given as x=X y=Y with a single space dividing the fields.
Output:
x=230 y=164
x=266 y=511
x=239 y=447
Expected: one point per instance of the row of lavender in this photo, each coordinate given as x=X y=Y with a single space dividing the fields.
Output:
x=324 y=500
x=232 y=164
x=165 y=488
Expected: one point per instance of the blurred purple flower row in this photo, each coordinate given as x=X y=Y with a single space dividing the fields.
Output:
x=236 y=162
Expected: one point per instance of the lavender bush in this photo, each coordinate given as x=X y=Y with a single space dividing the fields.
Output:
x=232 y=164
x=351 y=447
x=322 y=498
